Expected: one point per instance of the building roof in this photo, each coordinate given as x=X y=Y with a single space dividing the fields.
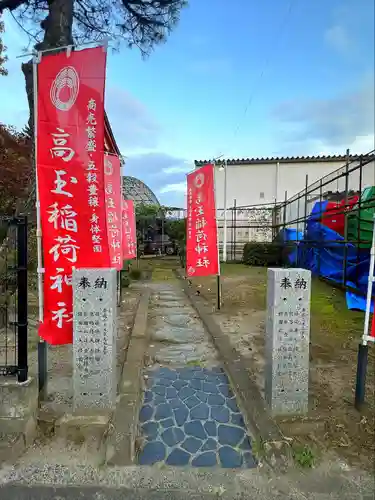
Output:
x=110 y=144
x=138 y=191
x=286 y=159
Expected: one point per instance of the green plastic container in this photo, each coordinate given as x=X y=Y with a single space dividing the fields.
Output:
x=360 y=219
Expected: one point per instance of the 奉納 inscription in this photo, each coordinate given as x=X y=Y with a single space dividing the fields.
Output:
x=94 y=338
x=287 y=340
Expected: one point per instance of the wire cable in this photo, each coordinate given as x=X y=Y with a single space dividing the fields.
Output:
x=267 y=61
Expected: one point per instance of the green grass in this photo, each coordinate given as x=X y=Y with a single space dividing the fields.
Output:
x=258 y=448
x=234 y=269
x=329 y=312
x=194 y=363
x=304 y=456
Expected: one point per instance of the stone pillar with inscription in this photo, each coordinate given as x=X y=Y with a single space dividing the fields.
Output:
x=287 y=341
x=94 y=339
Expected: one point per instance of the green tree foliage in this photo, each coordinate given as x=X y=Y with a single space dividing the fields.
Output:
x=155 y=217
x=56 y=23
x=176 y=230
x=15 y=169
x=59 y=23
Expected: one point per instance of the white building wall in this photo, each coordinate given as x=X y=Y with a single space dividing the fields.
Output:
x=265 y=183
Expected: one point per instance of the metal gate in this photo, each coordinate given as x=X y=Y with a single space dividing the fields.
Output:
x=13 y=297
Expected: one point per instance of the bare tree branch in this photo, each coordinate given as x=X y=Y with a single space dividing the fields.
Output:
x=57 y=23
x=10 y=4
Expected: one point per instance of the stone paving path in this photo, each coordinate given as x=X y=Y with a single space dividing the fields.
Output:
x=190 y=416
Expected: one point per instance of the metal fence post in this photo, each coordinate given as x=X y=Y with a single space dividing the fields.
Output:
x=22 y=341
x=359 y=226
x=232 y=236
x=344 y=275
x=317 y=244
x=234 y=258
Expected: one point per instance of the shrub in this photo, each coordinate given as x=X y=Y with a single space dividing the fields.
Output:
x=135 y=274
x=287 y=247
x=263 y=254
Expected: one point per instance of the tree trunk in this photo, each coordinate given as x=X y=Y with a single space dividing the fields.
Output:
x=57 y=33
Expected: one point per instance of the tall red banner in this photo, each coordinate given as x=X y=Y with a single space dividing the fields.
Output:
x=129 y=235
x=113 y=198
x=201 y=239
x=70 y=145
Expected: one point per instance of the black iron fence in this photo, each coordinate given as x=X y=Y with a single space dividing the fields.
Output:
x=244 y=224
x=330 y=224
x=329 y=219
x=13 y=297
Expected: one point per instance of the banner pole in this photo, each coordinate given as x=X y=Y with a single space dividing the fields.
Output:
x=218 y=280
x=362 y=359
x=104 y=42
x=42 y=346
x=365 y=336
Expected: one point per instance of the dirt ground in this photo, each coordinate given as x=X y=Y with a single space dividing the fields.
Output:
x=334 y=424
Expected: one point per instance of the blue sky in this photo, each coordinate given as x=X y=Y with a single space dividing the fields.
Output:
x=268 y=78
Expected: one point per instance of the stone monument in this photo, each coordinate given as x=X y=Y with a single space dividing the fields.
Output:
x=94 y=339
x=287 y=341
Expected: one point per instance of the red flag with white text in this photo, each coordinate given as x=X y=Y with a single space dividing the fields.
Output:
x=201 y=239
x=129 y=235
x=113 y=199
x=70 y=144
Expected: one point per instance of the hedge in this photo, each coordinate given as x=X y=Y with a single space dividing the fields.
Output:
x=263 y=254
x=267 y=254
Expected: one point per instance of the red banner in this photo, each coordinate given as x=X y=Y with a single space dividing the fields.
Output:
x=129 y=235
x=113 y=197
x=70 y=145
x=201 y=239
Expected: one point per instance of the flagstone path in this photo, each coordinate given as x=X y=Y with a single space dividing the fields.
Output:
x=189 y=416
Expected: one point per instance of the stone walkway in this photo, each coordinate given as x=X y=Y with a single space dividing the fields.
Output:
x=190 y=416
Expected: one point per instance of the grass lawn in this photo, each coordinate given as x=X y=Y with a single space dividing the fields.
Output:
x=161 y=267
x=329 y=313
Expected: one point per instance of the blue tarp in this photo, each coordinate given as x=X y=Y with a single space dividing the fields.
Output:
x=318 y=209
x=322 y=250
x=291 y=235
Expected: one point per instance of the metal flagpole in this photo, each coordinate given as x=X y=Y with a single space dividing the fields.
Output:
x=42 y=345
x=103 y=42
x=360 y=388
x=218 y=282
x=225 y=212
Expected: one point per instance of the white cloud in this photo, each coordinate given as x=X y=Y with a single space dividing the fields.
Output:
x=178 y=169
x=360 y=145
x=179 y=187
x=163 y=173
x=334 y=124
x=133 y=125
x=350 y=19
